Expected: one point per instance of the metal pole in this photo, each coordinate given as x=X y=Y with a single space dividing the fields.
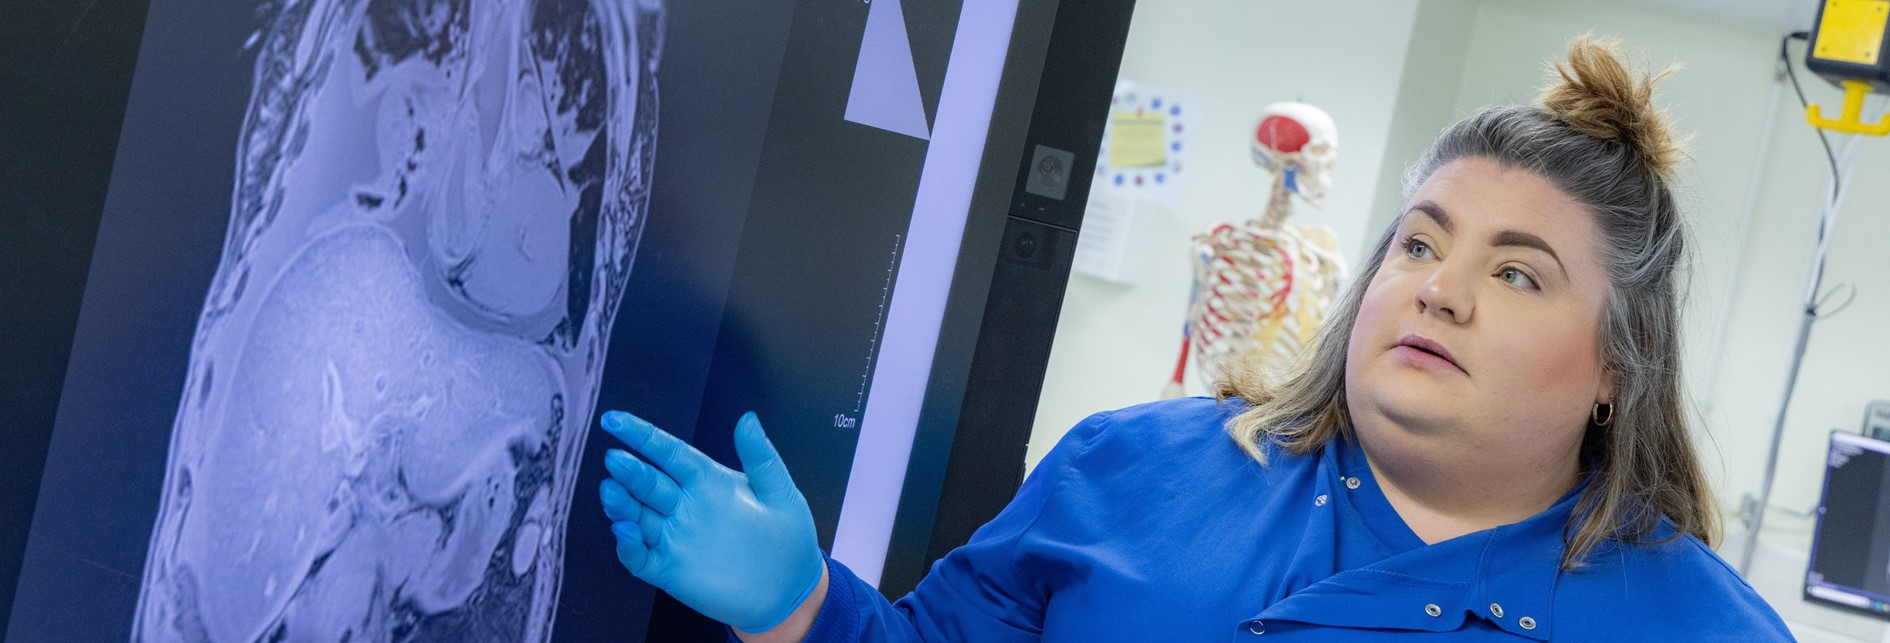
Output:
x=1755 y=508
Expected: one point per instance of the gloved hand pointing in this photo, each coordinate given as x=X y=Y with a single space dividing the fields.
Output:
x=738 y=547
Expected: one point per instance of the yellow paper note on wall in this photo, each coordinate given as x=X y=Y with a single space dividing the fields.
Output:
x=1137 y=140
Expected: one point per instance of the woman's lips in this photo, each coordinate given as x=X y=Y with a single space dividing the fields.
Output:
x=1424 y=353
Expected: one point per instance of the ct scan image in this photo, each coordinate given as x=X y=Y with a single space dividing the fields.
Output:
x=436 y=208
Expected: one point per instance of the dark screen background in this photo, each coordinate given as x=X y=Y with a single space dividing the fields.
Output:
x=1852 y=548
x=757 y=285
x=158 y=243
x=66 y=67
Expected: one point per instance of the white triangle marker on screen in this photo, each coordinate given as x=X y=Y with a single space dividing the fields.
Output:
x=885 y=91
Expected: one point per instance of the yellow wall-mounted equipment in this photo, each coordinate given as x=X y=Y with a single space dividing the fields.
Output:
x=1848 y=49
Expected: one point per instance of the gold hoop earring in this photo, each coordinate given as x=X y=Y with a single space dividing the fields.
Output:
x=1594 y=414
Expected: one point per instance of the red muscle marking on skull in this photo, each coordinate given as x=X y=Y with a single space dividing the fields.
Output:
x=1282 y=134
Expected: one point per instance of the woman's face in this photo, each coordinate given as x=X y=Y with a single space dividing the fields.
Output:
x=1478 y=335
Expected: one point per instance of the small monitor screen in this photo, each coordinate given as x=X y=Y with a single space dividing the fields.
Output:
x=369 y=270
x=1850 y=553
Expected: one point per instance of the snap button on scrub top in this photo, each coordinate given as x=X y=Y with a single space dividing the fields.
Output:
x=1496 y=610
x=1526 y=623
x=1257 y=628
x=1351 y=483
x=1433 y=610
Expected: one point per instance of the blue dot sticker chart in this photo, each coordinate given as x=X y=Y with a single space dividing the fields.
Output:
x=1147 y=141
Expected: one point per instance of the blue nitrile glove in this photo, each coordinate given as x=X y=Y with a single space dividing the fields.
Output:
x=738 y=547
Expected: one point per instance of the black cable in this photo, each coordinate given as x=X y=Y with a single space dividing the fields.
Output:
x=1784 y=58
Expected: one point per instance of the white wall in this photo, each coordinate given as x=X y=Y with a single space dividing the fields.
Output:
x=1427 y=101
x=1848 y=360
x=1116 y=345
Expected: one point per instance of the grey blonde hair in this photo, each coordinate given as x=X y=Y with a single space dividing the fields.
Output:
x=1595 y=135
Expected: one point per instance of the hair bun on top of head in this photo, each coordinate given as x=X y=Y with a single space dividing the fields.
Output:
x=1596 y=94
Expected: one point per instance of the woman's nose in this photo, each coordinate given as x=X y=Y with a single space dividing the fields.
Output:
x=1446 y=294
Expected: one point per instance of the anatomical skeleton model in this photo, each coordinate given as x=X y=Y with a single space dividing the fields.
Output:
x=1265 y=285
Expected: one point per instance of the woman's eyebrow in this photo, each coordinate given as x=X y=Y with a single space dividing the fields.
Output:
x=1504 y=238
x=1436 y=213
x=1526 y=240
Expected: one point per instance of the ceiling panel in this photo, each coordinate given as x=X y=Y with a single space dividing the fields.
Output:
x=1779 y=15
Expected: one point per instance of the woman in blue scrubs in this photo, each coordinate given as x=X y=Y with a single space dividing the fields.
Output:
x=1488 y=441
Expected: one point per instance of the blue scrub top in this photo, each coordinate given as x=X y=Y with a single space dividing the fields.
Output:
x=1150 y=524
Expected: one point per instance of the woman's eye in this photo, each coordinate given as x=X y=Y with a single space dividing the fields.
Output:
x=1517 y=278
x=1416 y=249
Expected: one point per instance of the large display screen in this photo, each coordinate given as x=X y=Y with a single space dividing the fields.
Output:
x=368 y=270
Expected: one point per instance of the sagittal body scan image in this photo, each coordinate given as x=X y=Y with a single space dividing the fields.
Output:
x=436 y=207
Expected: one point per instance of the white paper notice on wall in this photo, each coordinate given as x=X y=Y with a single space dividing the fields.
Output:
x=1114 y=232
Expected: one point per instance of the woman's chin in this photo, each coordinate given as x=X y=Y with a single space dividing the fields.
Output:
x=1416 y=406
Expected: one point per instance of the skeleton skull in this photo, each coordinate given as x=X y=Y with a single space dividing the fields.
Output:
x=1301 y=141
